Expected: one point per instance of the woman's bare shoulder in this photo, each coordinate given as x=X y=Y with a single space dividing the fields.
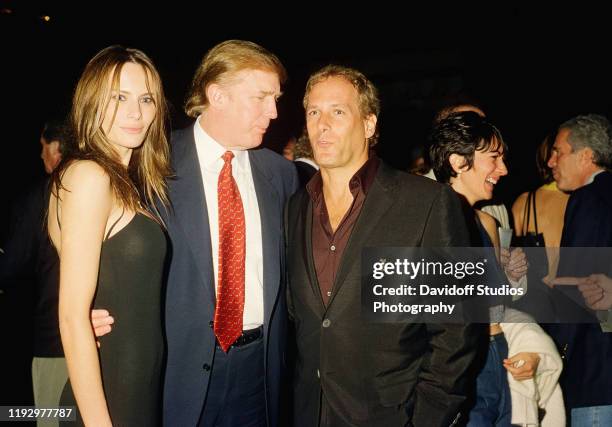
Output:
x=519 y=203
x=85 y=175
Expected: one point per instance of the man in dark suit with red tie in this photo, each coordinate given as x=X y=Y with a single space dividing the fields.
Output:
x=225 y=305
x=350 y=371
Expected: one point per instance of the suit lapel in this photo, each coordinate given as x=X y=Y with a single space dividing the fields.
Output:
x=268 y=201
x=378 y=201
x=308 y=254
x=189 y=204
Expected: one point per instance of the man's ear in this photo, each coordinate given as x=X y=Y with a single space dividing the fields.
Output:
x=55 y=155
x=216 y=95
x=54 y=148
x=457 y=162
x=586 y=156
x=370 y=125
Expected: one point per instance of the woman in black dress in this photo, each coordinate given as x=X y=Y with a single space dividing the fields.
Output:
x=111 y=247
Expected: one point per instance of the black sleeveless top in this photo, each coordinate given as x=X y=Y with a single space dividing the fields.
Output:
x=132 y=355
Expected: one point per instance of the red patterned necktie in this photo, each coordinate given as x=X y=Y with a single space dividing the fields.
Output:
x=232 y=251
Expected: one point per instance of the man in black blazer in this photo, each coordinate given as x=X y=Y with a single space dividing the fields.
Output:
x=581 y=161
x=349 y=371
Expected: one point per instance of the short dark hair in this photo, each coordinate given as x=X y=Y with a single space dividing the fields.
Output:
x=56 y=130
x=53 y=130
x=463 y=134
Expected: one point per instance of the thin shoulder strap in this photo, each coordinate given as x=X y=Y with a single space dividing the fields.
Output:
x=110 y=230
x=526 y=213
x=535 y=213
x=59 y=224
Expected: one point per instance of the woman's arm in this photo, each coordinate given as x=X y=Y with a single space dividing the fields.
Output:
x=490 y=225
x=85 y=208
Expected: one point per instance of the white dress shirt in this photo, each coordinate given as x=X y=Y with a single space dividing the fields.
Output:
x=209 y=156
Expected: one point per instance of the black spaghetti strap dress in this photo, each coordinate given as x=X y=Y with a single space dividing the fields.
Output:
x=132 y=355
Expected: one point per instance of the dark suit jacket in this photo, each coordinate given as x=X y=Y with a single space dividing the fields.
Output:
x=305 y=171
x=376 y=374
x=587 y=376
x=190 y=296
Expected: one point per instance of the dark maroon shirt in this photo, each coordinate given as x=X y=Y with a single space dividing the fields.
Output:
x=327 y=245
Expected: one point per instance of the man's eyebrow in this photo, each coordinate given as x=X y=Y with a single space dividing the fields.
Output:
x=335 y=105
x=271 y=92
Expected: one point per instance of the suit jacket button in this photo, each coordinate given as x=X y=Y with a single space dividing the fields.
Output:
x=211 y=323
x=326 y=323
x=206 y=367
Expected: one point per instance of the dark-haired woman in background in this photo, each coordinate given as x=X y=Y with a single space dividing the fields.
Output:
x=467 y=152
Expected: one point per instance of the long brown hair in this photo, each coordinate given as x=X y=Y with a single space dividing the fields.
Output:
x=145 y=176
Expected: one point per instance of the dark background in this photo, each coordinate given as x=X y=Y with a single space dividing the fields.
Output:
x=531 y=68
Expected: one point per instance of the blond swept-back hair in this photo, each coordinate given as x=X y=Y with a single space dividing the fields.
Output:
x=145 y=176
x=369 y=103
x=221 y=63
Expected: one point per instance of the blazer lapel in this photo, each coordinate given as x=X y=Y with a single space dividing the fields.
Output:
x=189 y=204
x=378 y=201
x=307 y=208
x=271 y=229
